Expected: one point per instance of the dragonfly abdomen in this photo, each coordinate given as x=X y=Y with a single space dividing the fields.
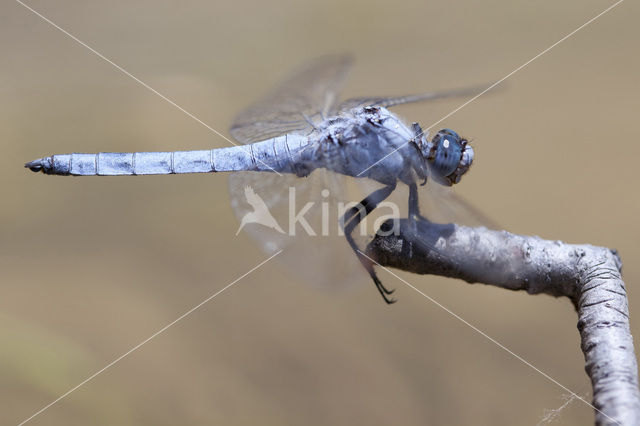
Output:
x=274 y=155
x=124 y=163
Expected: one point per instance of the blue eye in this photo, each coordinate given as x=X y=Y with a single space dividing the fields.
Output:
x=447 y=153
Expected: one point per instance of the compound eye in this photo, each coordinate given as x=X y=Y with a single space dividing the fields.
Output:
x=447 y=141
x=447 y=137
x=448 y=151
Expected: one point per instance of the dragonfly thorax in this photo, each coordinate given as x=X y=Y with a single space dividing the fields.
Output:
x=375 y=143
x=366 y=142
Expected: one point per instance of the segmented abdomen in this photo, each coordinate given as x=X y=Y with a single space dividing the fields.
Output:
x=276 y=155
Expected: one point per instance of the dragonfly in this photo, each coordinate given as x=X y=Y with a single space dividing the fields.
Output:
x=300 y=137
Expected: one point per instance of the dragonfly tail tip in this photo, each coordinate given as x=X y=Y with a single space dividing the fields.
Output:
x=35 y=165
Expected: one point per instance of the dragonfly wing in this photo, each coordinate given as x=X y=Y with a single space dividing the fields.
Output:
x=299 y=215
x=391 y=101
x=441 y=204
x=297 y=104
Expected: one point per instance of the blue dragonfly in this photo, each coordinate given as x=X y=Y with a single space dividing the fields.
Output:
x=300 y=145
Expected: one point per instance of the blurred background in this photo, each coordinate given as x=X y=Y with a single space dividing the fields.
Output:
x=90 y=267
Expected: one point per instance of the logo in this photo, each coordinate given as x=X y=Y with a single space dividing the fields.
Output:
x=260 y=213
x=321 y=213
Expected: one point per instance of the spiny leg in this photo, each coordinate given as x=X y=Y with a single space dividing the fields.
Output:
x=414 y=206
x=352 y=218
x=368 y=266
x=414 y=216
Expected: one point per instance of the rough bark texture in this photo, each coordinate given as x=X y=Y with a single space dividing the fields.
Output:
x=589 y=276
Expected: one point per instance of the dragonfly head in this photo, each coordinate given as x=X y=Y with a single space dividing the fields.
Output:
x=448 y=156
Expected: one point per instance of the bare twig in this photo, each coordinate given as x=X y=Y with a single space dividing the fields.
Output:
x=589 y=276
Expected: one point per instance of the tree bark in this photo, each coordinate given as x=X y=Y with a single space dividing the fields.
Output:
x=589 y=276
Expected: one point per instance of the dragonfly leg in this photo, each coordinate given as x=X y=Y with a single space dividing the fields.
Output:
x=414 y=206
x=352 y=218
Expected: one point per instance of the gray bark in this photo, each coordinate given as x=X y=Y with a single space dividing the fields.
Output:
x=589 y=276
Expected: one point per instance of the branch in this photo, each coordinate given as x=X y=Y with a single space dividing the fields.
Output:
x=589 y=276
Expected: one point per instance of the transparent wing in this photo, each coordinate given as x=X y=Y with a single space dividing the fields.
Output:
x=392 y=101
x=442 y=205
x=303 y=220
x=313 y=245
x=302 y=100
x=439 y=204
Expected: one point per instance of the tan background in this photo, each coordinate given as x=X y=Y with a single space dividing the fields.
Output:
x=91 y=267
